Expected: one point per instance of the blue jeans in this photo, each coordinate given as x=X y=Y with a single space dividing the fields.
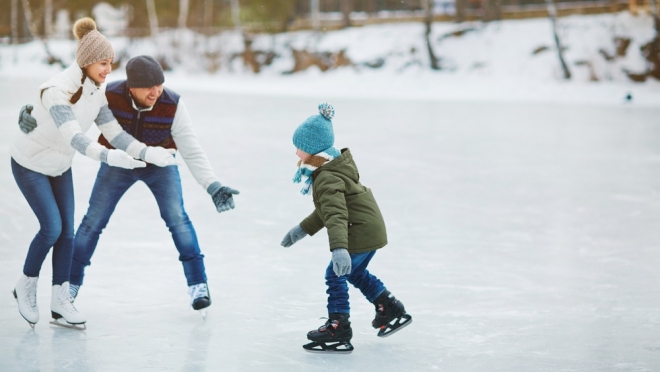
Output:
x=165 y=184
x=369 y=285
x=51 y=200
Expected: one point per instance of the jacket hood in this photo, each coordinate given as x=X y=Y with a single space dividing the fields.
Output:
x=344 y=164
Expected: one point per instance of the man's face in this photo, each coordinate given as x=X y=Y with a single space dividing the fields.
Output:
x=146 y=97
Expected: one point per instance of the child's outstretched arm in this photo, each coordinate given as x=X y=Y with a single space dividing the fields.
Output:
x=293 y=236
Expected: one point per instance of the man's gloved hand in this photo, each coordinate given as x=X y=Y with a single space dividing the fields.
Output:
x=341 y=261
x=118 y=158
x=26 y=121
x=222 y=196
x=159 y=156
x=293 y=236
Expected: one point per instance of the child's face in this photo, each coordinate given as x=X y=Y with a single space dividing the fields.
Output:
x=302 y=155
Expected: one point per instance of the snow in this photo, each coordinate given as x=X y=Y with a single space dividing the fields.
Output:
x=522 y=216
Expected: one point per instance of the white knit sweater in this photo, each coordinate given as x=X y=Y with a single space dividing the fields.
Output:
x=49 y=148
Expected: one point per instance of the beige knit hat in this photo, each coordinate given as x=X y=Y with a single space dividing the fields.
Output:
x=92 y=46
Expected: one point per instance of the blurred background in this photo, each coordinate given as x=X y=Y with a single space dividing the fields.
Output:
x=586 y=40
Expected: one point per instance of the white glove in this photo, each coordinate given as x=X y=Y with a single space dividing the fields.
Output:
x=118 y=158
x=160 y=156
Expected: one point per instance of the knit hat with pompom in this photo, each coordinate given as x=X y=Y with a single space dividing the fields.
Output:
x=92 y=46
x=316 y=134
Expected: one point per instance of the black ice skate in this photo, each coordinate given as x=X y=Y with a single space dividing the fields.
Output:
x=332 y=337
x=390 y=314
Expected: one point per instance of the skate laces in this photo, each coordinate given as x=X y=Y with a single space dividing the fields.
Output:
x=198 y=290
x=31 y=291
x=65 y=299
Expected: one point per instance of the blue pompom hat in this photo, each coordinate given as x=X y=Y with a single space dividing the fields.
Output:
x=315 y=134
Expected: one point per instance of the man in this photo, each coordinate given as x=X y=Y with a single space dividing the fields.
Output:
x=156 y=116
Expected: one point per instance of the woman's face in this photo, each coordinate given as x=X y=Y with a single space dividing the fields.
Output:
x=98 y=71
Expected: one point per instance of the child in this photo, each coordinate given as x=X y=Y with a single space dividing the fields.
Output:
x=355 y=229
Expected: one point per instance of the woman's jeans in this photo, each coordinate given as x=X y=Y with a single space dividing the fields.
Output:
x=370 y=286
x=165 y=184
x=51 y=200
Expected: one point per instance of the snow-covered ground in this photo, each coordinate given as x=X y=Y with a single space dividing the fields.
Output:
x=492 y=62
x=522 y=215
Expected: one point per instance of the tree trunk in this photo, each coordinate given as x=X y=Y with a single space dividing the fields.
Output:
x=184 y=6
x=492 y=10
x=315 y=14
x=153 y=18
x=48 y=18
x=427 y=5
x=346 y=9
x=28 y=18
x=236 y=15
x=208 y=14
x=552 y=12
x=14 y=21
x=461 y=10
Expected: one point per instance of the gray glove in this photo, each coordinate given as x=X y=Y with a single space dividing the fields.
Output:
x=293 y=236
x=341 y=261
x=222 y=196
x=26 y=122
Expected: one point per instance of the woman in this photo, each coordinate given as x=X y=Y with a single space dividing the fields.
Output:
x=41 y=163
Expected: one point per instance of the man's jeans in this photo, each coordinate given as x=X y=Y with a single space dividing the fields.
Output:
x=370 y=286
x=51 y=200
x=165 y=185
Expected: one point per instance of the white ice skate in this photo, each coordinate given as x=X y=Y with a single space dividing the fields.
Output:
x=200 y=299
x=62 y=309
x=25 y=293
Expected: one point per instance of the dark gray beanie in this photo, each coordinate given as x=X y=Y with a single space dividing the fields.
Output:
x=143 y=72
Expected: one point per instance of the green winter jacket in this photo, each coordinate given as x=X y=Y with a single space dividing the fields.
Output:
x=348 y=209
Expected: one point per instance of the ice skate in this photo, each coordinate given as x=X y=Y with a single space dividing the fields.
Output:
x=332 y=337
x=25 y=293
x=390 y=315
x=62 y=309
x=200 y=299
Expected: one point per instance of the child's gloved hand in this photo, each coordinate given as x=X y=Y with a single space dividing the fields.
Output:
x=293 y=236
x=341 y=261
x=223 y=196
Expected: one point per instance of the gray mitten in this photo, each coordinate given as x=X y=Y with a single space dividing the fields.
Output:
x=293 y=236
x=26 y=121
x=341 y=261
x=222 y=196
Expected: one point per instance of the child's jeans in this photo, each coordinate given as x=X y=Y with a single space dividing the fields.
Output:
x=369 y=285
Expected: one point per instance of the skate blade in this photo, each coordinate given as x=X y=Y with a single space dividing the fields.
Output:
x=203 y=312
x=389 y=329
x=334 y=348
x=63 y=323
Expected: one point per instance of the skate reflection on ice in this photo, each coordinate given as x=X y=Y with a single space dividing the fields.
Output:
x=27 y=350
x=198 y=344
x=69 y=350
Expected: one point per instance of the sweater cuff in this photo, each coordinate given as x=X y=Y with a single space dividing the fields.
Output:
x=213 y=188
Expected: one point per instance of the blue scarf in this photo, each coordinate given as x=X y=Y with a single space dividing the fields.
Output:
x=306 y=169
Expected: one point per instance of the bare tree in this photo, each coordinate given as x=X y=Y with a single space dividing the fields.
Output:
x=461 y=10
x=14 y=21
x=208 y=13
x=236 y=15
x=48 y=18
x=184 y=6
x=427 y=5
x=153 y=18
x=552 y=13
x=346 y=9
x=315 y=14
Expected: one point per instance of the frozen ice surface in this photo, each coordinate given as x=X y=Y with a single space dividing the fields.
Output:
x=523 y=237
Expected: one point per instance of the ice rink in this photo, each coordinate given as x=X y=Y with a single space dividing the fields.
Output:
x=523 y=237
